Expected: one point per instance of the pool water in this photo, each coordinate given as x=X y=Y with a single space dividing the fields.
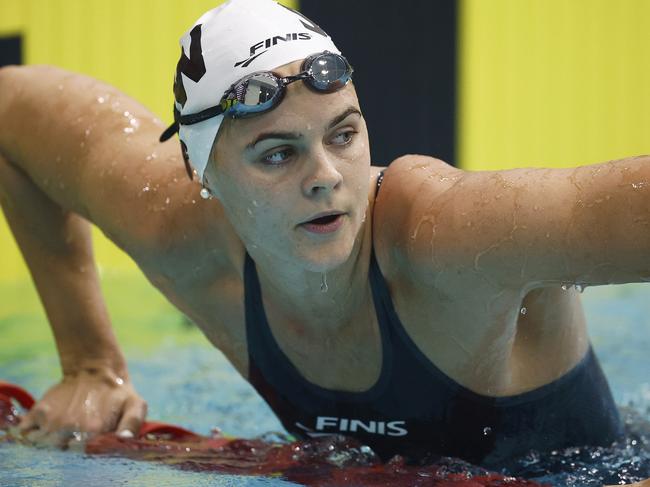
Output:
x=187 y=382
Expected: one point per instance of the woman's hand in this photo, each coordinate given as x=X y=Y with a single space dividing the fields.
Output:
x=94 y=400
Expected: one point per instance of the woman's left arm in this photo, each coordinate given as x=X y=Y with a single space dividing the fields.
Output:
x=526 y=227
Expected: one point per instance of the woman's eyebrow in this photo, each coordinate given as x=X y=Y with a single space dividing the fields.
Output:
x=339 y=118
x=296 y=135
x=273 y=135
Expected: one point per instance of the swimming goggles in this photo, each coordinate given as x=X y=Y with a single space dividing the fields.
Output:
x=262 y=91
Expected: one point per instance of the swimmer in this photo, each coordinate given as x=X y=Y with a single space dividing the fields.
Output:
x=424 y=310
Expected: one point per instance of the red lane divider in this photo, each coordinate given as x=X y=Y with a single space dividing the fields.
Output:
x=322 y=462
x=23 y=397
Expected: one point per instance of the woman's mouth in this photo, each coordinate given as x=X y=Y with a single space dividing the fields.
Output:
x=324 y=224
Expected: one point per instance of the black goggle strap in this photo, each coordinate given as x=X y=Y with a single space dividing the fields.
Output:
x=193 y=118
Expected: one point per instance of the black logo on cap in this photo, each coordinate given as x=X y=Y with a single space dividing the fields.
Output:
x=192 y=67
x=272 y=41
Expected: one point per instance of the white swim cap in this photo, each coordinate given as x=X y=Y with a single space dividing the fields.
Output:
x=227 y=43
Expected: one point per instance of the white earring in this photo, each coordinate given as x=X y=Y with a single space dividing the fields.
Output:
x=205 y=194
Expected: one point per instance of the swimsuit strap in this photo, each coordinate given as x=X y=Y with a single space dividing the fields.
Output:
x=380 y=179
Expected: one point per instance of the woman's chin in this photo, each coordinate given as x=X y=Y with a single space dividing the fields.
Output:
x=326 y=258
x=333 y=252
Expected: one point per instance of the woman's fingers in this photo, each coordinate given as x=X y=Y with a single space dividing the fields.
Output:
x=135 y=410
x=27 y=424
x=34 y=419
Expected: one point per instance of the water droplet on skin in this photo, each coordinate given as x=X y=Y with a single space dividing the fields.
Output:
x=523 y=310
x=323 y=282
x=167 y=200
x=128 y=130
x=101 y=99
x=146 y=188
x=134 y=122
x=119 y=381
x=87 y=132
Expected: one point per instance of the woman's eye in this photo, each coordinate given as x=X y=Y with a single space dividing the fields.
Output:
x=344 y=138
x=277 y=157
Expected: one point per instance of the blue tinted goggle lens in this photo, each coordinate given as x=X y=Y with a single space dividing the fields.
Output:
x=255 y=94
x=329 y=72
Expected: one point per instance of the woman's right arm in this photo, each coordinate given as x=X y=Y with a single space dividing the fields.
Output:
x=95 y=393
x=55 y=145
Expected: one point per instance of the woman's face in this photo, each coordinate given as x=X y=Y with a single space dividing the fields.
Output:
x=277 y=173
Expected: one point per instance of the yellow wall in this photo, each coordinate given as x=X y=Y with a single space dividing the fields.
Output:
x=132 y=44
x=553 y=82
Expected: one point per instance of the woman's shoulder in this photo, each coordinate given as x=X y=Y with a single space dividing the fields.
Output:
x=404 y=182
x=416 y=168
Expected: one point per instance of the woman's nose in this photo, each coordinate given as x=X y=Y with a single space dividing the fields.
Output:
x=323 y=176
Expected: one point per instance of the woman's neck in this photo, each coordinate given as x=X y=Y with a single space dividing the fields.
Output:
x=313 y=299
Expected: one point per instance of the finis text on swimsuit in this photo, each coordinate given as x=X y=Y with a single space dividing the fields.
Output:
x=389 y=428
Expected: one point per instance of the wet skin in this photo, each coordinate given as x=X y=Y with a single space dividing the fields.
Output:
x=462 y=252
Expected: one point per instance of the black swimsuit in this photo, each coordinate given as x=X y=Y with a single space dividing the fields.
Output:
x=415 y=410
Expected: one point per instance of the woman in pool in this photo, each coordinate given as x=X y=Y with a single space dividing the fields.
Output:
x=426 y=310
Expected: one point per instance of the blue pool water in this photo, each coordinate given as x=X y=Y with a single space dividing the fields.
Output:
x=194 y=386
